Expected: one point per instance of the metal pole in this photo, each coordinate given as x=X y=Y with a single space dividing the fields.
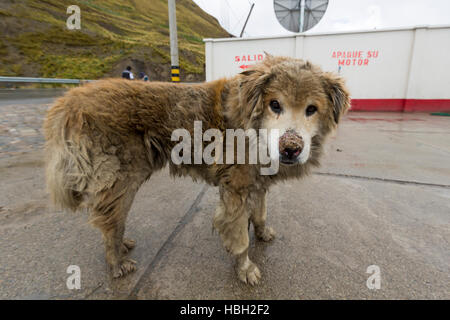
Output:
x=175 y=64
x=302 y=15
x=248 y=17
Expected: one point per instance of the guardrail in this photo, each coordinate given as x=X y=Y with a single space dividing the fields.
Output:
x=42 y=80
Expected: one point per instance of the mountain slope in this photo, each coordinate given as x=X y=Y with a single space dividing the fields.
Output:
x=34 y=39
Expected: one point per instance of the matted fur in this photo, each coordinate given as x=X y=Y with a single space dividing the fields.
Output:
x=105 y=139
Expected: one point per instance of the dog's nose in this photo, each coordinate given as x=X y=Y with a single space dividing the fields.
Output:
x=290 y=146
x=291 y=153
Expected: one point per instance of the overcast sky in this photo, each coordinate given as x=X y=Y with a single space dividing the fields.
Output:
x=341 y=15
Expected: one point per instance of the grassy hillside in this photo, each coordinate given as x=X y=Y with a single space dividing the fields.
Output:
x=34 y=39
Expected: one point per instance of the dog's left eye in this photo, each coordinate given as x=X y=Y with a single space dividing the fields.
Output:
x=275 y=106
x=311 y=110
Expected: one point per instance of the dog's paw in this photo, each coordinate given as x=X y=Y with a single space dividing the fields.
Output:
x=268 y=234
x=127 y=266
x=249 y=273
x=127 y=245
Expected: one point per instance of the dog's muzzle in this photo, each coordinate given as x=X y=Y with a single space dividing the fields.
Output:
x=290 y=147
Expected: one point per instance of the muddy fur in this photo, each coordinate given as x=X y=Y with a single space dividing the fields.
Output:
x=106 y=138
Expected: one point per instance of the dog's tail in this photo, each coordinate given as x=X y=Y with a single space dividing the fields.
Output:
x=67 y=162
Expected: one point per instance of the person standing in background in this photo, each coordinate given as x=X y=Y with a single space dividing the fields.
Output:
x=127 y=74
x=143 y=76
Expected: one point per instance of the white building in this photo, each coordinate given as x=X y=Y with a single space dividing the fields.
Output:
x=386 y=70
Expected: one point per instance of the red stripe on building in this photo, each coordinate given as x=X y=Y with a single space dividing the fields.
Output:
x=401 y=105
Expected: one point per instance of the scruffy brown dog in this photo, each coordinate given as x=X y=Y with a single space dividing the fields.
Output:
x=106 y=138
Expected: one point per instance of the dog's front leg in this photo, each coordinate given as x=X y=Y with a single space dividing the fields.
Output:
x=258 y=218
x=231 y=221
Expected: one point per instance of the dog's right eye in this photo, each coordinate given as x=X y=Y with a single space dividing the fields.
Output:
x=311 y=110
x=275 y=106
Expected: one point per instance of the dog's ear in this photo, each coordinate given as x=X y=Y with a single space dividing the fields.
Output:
x=252 y=84
x=255 y=79
x=267 y=55
x=337 y=94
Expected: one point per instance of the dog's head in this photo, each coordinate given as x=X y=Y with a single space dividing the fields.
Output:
x=295 y=97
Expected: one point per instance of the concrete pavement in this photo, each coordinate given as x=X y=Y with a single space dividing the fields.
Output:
x=382 y=197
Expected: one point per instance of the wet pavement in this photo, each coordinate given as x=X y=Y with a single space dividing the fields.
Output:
x=382 y=197
x=21 y=116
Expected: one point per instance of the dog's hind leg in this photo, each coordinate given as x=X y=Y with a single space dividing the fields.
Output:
x=258 y=218
x=231 y=221
x=127 y=245
x=109 y=214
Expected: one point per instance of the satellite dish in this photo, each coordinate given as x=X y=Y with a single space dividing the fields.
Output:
x=299 y=15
